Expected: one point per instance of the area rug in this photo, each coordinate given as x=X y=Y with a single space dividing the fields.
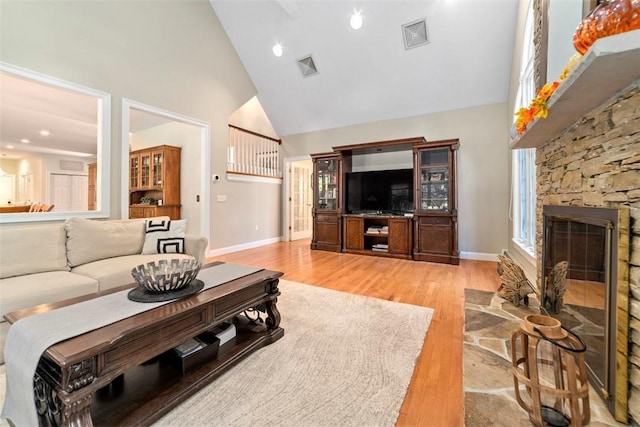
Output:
x=344 y=360
x=489 y=395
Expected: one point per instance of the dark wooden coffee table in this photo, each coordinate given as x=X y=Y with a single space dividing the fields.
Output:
x=112 y=375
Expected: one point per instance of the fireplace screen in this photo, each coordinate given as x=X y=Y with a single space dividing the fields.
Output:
x=590 y=245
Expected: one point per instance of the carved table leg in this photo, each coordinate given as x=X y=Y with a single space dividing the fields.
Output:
x=57 y=407
x=54 y=412
x=273 y=315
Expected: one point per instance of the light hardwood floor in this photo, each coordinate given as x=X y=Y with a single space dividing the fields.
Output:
x=435 y=396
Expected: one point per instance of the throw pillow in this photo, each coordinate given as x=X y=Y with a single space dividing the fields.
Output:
x=164 y=237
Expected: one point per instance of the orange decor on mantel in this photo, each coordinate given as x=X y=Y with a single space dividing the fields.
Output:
x=537 y=109
x=608 y=18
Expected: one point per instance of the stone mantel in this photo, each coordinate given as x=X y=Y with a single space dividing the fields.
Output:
x=609 y=66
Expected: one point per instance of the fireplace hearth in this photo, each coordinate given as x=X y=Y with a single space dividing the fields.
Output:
x=595 y=243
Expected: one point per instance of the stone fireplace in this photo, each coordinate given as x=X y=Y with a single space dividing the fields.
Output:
x=592 y=246
x=596 y=163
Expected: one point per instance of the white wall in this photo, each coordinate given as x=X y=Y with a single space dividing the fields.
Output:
x=564 y=17
x=382 y=161
x=482 y=165
x=259 y=202
x=173 y=55
x=251 y=116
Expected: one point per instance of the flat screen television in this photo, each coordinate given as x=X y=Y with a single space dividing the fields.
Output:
x=387 y=191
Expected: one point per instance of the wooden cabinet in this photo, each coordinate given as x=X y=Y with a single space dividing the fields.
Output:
x=379 y=235
x=92 y=177
x=353 y=233
x=327 y=193
x=149 y=211
x=154 y=182
x=400 y=237
x=429 y=233
x=435 y=213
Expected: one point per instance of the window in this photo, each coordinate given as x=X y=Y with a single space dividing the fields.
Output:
x=524 y=166
x=524 y=190
x=250 y=153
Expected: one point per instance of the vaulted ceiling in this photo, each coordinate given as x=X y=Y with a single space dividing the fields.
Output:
x=368 y=75
x=364 y=75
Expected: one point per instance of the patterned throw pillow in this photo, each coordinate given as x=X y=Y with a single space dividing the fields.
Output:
x=164 y=237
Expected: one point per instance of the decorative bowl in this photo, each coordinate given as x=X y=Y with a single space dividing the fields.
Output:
x=166 y=275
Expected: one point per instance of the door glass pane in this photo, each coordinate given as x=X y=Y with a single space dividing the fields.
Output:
x=434 y=181
x=145 y=171
x=157 y=169
x=301 y=195
x=327 y=185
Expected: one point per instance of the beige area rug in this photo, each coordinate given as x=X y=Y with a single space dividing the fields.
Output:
x=345 y=360
x=489 y=394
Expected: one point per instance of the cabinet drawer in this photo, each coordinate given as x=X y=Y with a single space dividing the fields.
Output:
x=327 y=218
x=136 y=212
x=435 y=220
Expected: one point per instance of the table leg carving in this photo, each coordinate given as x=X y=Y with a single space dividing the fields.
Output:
x=80 y=375
x=48 y=404
x=273 y=315
x=78 y=414
x=53 y=410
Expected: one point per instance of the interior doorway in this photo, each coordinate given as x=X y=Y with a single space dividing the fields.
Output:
x=193 y=137
x=299 y=199
x=7 y=189
x=68 y=192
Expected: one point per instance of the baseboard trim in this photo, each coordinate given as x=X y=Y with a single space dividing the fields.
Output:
x=479 y=256
x=242 y=247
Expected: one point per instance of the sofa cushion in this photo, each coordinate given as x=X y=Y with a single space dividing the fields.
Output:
x=91 y=240
x=113 y=272
x=164 y=237
x=33 y=249
x=33 y=289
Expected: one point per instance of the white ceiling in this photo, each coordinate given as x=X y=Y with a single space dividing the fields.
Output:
x=364 y=75
x=367 y=75
x=28 y=107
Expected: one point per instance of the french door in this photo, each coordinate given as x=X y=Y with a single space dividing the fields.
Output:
x=69 y=193
x=300 y=200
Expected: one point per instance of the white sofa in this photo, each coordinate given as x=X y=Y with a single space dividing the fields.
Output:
x=51 y=262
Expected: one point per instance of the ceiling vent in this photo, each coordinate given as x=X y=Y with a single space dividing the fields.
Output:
x=415 y=34
x=307 y=66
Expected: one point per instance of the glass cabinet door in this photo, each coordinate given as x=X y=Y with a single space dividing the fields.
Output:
x=327 y=184
x=157 y=168
x=145 y=170
x=134 y=171
x=434 y=181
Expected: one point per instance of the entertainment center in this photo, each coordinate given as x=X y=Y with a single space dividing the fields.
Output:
x=393 y=198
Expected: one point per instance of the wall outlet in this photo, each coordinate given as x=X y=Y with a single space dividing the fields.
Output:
x=221 y=198
x=257 y=226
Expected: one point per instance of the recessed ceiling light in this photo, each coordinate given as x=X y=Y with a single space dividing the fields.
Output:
x=44 y=132
x=10 y=147
x=277 y=50
x=356 y=21
x=25 y=141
